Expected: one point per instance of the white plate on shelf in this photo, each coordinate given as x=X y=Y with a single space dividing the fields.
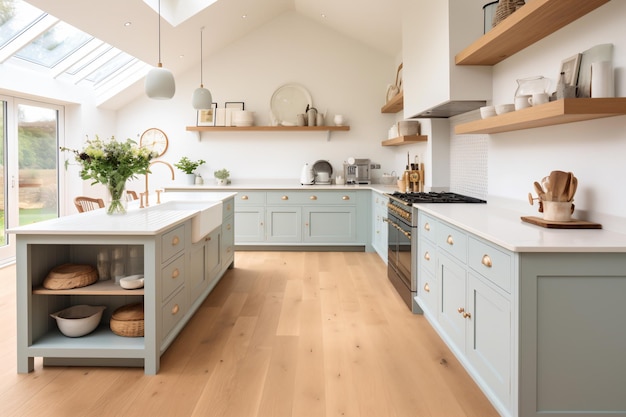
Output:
x=288 y=101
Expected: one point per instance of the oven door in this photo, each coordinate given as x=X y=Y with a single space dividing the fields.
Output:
x=399 y=249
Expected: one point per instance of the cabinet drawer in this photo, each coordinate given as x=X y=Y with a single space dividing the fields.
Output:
x=310 y=197
x=427 y=226
x=491 y=262
x=427 y=291
x=453 y=241
x=228 y=207
x=173 y=311
x=250 y=198
x=172 y=276
x=172 y=242
x=427 y=256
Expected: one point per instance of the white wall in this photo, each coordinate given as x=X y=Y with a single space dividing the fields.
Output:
x=593 y=150
x=343 y=77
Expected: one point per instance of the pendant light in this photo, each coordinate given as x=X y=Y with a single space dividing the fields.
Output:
x=160 y=81
x=201 y=98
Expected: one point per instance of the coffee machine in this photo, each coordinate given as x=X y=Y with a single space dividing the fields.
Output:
x=357 y=171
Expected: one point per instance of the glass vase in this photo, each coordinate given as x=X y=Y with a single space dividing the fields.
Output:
x=117 y=203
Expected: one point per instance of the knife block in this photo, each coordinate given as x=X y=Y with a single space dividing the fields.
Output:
x=416 y=179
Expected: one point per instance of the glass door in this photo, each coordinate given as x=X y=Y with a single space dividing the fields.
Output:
x=30 y=143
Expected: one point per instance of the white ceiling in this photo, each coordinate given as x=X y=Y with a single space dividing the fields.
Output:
x=375 y=23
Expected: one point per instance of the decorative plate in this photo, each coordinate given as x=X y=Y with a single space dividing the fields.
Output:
x=288 y=101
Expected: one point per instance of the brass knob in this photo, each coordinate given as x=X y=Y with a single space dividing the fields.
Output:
x=175 y=273
x=486 y=261
x=175 y=309
x=460 y=310
x=427 y=256
x=313 y=197
x=244 y=197
x=467 y=316
x=427 y=226
x=427 y=287
x=284 y=197
x=208 y=239
x=228 y=207
x=345 y=197
x=228 y=226
x=175 y=241
x=450 y=240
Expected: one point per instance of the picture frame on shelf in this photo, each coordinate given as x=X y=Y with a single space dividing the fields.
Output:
x=206 y=117
x=570 y=67
x=230 y=107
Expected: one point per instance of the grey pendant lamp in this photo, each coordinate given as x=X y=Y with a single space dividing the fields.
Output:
x=201 y=98
x=160 y=83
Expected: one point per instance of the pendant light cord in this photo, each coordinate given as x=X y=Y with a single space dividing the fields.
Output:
x=160 y=34
x=201 y=84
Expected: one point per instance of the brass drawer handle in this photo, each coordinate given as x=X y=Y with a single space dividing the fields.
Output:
x=284 y=197
x=427 y=226
x=427 y=287
x=175 y=240
x=313 y=197
x=175 y=273
x=244 y=197
x=228 y=226
x=450 y=240
x=486 y=261
x=175 y=309
x=345 y=197
x=427 y=256
x=228 y=207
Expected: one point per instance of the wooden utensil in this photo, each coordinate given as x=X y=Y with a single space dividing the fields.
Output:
x=573 y=185
x=539 y=190
x=559 y=181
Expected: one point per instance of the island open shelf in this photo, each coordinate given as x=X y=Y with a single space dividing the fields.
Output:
x=553 y=113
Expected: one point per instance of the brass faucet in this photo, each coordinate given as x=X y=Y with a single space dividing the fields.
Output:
x=147 y=191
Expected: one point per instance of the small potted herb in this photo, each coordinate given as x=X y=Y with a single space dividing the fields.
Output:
x=189 y=167
x=222 y=176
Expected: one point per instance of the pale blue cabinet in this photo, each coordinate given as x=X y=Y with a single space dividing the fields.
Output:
x=284 y=224
x=378 y=224
x=330 y=224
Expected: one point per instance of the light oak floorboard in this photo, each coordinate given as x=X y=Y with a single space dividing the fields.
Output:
x=284 y=334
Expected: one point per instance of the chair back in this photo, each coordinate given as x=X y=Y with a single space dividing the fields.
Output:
x=84 y=204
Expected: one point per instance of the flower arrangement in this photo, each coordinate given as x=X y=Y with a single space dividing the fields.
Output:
x=222 y=174
x=187 y=165
x=112 y=163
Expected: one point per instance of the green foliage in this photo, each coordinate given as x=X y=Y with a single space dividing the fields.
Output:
x=187 y=165
x=222 y=174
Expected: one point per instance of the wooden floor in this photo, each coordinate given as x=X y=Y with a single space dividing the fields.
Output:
x=283 y=334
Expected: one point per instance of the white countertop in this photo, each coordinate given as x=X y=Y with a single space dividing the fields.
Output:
x=504 y=227
x=137 y=221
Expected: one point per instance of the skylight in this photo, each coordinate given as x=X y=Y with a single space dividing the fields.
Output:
x=34 y=40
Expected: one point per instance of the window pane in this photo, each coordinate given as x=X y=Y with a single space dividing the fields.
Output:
x=110 y=67
x=37 y=159
x=3 y=195
x=54 y=45
x=15 y=17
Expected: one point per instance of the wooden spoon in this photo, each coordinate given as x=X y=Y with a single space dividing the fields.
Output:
x=573 y=185
x=559 y=181
x=539 y=190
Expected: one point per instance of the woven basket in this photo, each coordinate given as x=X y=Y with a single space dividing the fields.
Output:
x=128 y=320
x=68 y=276
x=505 y=9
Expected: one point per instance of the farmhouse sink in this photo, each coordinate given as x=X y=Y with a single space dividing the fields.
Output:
x=208 y=215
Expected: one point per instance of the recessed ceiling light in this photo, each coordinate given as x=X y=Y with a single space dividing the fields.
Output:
x=244 y=16
x=127 y=24
x=323 y=15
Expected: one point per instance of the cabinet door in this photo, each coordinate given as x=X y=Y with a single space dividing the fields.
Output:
x=451 y=281
x=227 y=241
x=284 y=224
x=197 y=275
x=330 y=224
x=379 y=227
x=489 y=336
x=250 y=224
x=213 y=255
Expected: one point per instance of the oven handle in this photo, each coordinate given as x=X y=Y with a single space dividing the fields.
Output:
x=396 y=226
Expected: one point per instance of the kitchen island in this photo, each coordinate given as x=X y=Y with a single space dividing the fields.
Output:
x=533 y=314
x=182 y=247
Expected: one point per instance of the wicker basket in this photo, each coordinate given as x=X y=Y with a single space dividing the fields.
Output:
x=128 y=321
x=505 y=9
x=68 y=276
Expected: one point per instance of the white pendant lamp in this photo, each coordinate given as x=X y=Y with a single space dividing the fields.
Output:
x=160 y=83
x=201 y=98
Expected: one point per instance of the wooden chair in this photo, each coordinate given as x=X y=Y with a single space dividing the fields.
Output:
x=84 y=204
x=131 y=195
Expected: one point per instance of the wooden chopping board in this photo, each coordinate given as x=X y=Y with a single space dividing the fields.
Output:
x=574 y=224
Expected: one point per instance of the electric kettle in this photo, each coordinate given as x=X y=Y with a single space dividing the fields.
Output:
x=307 y=177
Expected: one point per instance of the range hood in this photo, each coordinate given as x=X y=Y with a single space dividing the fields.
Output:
x=450 y=109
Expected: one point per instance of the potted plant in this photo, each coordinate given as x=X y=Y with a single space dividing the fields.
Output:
x=189 y=167
x=222 y=176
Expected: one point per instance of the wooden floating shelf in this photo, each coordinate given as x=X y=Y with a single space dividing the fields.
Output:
x=395 y=104
x=531 y=23
x=556 y=112
x=404 y=140
x=108 y=287
x=267 y=128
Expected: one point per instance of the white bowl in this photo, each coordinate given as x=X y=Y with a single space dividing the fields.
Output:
x=78 y=320
x=504 y=108
x=487 y=111
x=132 y=282
x=408 y=127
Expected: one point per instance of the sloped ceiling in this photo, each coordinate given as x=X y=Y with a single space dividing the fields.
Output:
x=375 y=23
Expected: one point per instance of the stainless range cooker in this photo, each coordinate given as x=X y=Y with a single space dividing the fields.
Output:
x=402 y=235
